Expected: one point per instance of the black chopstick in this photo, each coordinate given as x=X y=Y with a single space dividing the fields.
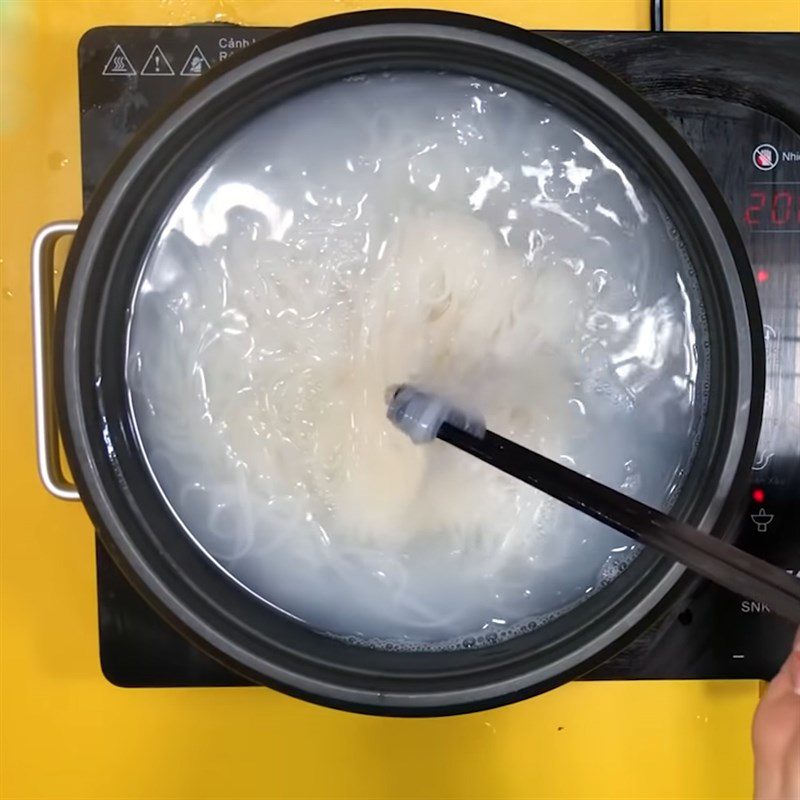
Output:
x=705 y=555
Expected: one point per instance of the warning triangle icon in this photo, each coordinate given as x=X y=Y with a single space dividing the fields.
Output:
x=119 y=63
x=157 y=63
x=196 y=64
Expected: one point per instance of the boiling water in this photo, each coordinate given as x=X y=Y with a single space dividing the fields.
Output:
x=428 y=228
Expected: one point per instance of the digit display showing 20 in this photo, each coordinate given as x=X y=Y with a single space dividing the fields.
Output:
x=774 y=208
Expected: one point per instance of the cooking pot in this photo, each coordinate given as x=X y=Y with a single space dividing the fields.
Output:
x=87 y=348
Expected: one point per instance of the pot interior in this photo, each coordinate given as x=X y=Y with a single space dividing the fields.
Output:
x=432 y=227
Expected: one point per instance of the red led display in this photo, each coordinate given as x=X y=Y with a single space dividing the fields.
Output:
x=758 y=495
x=773 y=208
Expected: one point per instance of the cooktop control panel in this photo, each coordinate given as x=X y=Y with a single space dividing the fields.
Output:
x=735 y=99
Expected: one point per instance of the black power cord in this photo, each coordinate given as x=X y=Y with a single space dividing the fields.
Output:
x=657 y=15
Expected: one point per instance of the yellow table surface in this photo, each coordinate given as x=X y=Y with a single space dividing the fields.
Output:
x=67 y=733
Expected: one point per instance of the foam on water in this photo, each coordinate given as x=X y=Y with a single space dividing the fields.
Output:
x=433 y=229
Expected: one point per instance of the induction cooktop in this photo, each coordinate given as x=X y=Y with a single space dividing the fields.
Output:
x=735 y=98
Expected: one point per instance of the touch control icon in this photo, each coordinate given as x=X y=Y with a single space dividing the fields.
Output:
x=765 y=157
x=762 y=520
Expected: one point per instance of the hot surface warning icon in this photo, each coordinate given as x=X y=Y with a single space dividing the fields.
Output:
x=119 y=63
x=157 y=63
x=196 y=64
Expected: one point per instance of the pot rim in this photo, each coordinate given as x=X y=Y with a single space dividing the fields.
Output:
x=77 y=373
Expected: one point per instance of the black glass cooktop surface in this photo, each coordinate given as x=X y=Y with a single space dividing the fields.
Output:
x=736 y=100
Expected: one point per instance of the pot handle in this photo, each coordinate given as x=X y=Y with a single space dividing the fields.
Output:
x=43 y=311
